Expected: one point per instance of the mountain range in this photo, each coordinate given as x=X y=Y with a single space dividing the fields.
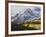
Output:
x=28 y=14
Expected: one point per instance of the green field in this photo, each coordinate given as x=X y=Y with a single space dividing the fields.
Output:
x=26 y=25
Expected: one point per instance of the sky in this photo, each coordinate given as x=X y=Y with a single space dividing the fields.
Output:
x=20 y=9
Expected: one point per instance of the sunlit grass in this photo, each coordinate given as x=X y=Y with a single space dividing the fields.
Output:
x=33 y=23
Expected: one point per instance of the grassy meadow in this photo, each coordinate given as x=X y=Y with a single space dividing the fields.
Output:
x=26 y=25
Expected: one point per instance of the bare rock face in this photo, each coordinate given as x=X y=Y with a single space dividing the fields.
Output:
x=28 y=14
